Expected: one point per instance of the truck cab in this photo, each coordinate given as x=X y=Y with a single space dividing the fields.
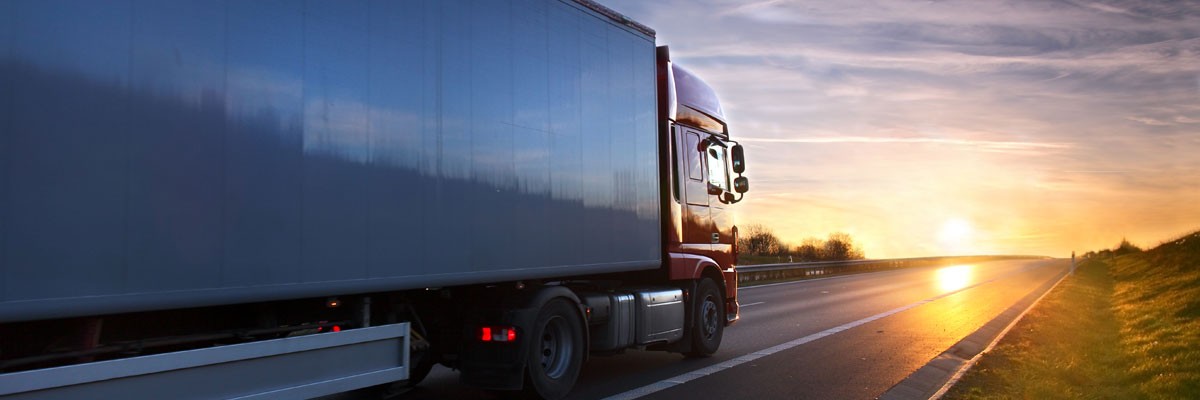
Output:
x=704 y=177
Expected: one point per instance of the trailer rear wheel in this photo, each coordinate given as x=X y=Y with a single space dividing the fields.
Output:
x=708 y=319
x=555 y=351
x=422 y=362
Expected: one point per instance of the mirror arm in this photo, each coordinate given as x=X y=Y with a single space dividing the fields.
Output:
x=731 y=201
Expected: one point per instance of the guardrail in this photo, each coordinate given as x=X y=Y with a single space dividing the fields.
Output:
x=764 y=273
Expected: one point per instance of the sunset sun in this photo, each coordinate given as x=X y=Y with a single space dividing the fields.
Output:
x=955 y=236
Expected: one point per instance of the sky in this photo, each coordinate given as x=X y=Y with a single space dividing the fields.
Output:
x=926 y=128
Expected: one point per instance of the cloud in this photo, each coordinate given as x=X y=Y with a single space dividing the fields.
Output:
x=1108 y=8
x=1148 y=121
x=979 y=144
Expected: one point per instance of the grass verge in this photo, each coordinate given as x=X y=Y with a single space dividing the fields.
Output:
x=1157 y=300
x=1123 y=327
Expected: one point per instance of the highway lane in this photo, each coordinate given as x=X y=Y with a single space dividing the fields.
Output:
x=931 y=309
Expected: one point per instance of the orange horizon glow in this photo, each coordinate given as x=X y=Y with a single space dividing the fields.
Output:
x=932 y=201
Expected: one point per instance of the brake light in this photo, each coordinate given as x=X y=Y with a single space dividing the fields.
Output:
x=497 y=334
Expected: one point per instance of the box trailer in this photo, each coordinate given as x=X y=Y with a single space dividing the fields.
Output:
x=196 y=185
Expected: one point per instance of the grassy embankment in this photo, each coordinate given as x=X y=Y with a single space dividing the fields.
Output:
x=1124 y=327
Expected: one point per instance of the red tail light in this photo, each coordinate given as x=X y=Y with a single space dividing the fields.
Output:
x=498 y=334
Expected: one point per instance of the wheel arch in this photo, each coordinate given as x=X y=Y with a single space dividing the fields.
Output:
x=695 y=267
x=544 y=296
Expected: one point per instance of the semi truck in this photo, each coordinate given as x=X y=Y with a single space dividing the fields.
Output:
x=286 y=199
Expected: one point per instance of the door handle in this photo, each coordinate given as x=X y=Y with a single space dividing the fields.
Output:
x=716 y=238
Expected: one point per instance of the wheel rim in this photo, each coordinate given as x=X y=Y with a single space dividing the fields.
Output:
x=711 y=315
x=556 y=348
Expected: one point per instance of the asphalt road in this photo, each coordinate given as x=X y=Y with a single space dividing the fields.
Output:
x=847 y=337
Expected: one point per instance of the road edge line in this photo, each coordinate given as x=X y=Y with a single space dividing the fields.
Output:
x=733 y=362
x=951 y=365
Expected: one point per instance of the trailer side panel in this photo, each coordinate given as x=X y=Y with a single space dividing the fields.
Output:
x=165 y=154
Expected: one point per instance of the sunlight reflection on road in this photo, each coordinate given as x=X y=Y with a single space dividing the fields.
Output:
x=955 y=277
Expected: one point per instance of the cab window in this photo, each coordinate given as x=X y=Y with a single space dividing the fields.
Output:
x=694 y=163
x=718 y=176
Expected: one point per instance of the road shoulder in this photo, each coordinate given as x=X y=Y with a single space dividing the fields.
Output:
x=933 y=379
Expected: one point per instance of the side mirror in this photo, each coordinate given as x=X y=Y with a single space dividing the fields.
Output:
x=741 y=184
x=739 y=160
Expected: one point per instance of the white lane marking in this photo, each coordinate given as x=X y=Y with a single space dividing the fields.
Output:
x=753 y=304
x=727 y=364
x=700 y=373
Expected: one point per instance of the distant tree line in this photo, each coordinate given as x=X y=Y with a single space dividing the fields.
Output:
x=759 y=243
x=1123 y=248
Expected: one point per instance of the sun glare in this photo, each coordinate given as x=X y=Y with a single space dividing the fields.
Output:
x=954 y=278
x=955 y=236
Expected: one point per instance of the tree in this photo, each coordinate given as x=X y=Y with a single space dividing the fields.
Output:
x=840 y=246
x=759 y=240
x=809 y=250
x=1125 y=248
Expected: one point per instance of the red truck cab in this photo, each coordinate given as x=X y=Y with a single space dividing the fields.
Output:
x=698 y=172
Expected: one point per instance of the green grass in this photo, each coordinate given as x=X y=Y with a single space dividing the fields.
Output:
x=1157 y=300
x=1066 y=347
x=1120 y=328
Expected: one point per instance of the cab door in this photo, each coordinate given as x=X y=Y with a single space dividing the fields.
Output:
x=697 y=219
x=716 y=161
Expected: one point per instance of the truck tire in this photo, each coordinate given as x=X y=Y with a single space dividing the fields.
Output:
x=422 y=363
x=555 y=351
x=708 y=319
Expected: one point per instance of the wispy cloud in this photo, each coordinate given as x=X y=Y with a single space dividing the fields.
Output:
x=982 y=144
x=1149 y=121
x=1109 y=9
